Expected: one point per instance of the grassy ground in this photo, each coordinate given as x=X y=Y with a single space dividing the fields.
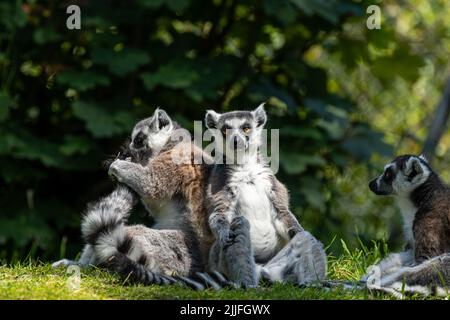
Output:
x=34 y=280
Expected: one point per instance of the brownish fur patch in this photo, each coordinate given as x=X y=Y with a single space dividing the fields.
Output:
x=188 y=180
x=432 y=228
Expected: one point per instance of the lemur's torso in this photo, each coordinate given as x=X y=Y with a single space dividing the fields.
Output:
x=252 y=184
x=431 y=226
x=427 y=221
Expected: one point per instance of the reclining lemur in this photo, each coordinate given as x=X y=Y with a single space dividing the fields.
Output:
x=178 y=245
x=424 y=201
x=244 y=191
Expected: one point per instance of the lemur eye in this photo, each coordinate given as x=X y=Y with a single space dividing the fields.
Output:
x=388 y=175
x=246 y=129
x=138 y=141
x=224 y=129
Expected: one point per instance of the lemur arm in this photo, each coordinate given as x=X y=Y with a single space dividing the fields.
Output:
x=427 y=242
x=280 y=200
x=161 y=178
x=221 y=212
x=389 y=265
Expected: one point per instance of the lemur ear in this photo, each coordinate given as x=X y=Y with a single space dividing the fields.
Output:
x=422 y=156
x=260 y=115
x=211 y=119
x=417 y=166
x=162 y=119
x=413 y=166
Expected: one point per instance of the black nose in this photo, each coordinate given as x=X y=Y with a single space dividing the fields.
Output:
x=373 y=185
x=235 y=142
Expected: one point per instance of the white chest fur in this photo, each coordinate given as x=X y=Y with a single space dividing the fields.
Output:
x=253 y=186
x=408 y=211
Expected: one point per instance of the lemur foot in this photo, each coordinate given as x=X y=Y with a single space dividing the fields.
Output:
x=115 y=169
x=240 y=224
x=64 y=263
x=239 y=254
x=239 y=229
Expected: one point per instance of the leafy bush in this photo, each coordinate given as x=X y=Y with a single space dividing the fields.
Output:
x=69 y=98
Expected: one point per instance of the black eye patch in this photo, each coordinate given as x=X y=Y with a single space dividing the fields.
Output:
x=138 y=141
x=388 y=175
x=224 y=129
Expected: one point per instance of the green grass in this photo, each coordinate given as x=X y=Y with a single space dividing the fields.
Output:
x=34 y=280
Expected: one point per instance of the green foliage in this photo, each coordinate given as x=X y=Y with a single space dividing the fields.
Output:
x=69 y=98
x=82 y=80
x=120 y=63
x=101 y=122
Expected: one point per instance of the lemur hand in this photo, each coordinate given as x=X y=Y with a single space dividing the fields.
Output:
x=224 y=238
x=239 y=226
x=293 y=231
x=117 y=169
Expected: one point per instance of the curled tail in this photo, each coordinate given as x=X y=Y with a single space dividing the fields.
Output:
x=103 y=228
x=431 y=277
x=103 y=225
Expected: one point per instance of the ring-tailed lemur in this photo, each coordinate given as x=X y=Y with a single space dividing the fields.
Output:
x=424 y=201
x=247 y=202
x=174 y=194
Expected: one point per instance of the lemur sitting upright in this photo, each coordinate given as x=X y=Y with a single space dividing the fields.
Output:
x=173 y=193
x=243 y=191
x=424 y=201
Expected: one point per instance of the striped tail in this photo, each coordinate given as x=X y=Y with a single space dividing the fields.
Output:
x=431 y=277
x=133 y=272
x=103 y=227
x=105 y=219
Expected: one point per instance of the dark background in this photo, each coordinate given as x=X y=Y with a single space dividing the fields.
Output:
x=345 y=98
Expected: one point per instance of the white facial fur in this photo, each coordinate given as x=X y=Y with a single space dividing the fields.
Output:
x=247 y=144
x=254 y=138
x=400 y=178
x=384 y=170
x=403 y=188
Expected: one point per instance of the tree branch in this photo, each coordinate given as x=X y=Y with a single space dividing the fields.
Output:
x=438 y=125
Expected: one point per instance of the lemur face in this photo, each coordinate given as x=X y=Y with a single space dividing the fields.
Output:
x=238 y=130
x=401 y=176
x=151 y=134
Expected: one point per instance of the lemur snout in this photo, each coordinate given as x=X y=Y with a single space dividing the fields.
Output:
x=373 y=185
x=235 y=142
x=380 y=189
